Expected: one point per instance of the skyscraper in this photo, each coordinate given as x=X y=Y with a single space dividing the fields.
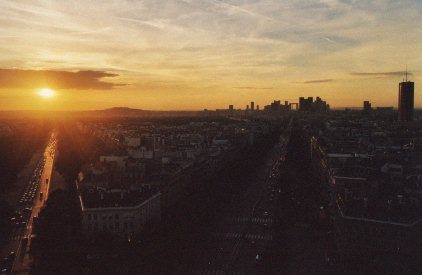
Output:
x=252 y=105
x=367 y=107
x=305 y=104
x=406 y=100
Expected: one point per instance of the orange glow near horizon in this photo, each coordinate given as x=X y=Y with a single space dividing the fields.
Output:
x=194 y=55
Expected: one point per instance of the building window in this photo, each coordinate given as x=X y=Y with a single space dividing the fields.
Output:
x=95 y=217
x=89 y=217
x=116 y=216
x=104 y=227
x=89 y=227
x=117 y=226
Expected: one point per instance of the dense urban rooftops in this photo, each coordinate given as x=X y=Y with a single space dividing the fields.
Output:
x=374 y=167
x=100 y=198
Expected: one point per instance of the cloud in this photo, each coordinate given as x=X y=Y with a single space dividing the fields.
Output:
x=210 y=46
x=253 y=88
x=317 y=81
x=80 y=80
x=383 y=74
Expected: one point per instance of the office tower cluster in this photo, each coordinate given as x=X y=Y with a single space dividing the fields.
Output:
x=308 y=104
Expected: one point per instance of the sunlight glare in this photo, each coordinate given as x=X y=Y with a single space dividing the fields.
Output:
x=46 y=93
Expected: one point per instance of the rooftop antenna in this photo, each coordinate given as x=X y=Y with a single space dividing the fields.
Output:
x=406 y=72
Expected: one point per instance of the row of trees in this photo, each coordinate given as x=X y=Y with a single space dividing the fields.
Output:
x=16 y=150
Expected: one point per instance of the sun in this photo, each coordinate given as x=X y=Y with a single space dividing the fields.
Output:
x=46 y=93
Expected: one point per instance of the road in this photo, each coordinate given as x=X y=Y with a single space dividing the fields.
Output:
x=246 y=229
x=30 y=207
x=303 y=243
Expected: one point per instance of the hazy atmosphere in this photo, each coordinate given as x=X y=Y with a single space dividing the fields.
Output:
x=210 y=137
x=191 y=55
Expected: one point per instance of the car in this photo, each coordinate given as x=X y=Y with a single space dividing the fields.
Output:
x=258 y=258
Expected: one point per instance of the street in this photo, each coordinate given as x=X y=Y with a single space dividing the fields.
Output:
x=246 y=229
x=30 y=204
x=302 y=243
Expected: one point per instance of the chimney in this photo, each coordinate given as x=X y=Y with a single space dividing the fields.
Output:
x=365 y=202
x=400 y=199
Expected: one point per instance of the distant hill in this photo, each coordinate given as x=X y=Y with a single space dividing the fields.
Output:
x=123 y=111
x=130 y=112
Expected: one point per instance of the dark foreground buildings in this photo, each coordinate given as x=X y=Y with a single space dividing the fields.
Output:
x=373 y=172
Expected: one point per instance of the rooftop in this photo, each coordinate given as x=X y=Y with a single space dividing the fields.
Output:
x=99 y=198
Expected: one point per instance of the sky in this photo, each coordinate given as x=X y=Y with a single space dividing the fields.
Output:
x=196 y=54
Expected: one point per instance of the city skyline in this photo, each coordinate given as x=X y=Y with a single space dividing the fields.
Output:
x=188 y=55
x=210 y=137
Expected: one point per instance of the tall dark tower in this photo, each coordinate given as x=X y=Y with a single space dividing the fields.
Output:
x=406 y=100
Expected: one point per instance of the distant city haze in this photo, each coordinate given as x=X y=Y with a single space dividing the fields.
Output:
x=192 y=55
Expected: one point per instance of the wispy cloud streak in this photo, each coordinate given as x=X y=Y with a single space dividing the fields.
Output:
x=317 y=81
x=252 y=88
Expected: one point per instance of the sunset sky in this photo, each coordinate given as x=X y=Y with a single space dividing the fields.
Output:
x=196 y=54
